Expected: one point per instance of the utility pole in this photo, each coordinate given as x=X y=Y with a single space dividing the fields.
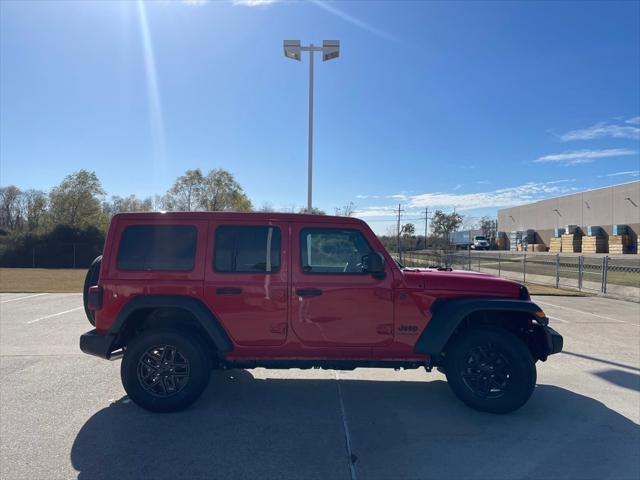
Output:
x=426 y=226
x=399 y=250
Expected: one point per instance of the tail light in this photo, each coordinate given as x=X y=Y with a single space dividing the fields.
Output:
x=95 y=297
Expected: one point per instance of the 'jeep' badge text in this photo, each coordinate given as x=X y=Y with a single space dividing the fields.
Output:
x=408 y=329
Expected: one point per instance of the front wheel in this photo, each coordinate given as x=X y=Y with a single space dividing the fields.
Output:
x=165 y=370
x=490 y=370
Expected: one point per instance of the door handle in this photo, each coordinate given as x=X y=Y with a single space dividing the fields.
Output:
x=308 y=292
x=228 y=291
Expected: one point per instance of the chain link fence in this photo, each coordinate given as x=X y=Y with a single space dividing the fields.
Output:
x=598 y=274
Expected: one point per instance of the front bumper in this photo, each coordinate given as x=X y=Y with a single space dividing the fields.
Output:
x=548 y=341
x=99 y=345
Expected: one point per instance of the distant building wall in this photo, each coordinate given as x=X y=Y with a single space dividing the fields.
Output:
x=604 y=207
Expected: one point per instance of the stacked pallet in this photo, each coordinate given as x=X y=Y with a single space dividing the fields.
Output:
x=536 y=247
x=515 y=239
x=594 y=244
x=571 y=242
x=619 y=244
x=555 y=246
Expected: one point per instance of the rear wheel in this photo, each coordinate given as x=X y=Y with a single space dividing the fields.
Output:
x=165 y=370
x=491 y=370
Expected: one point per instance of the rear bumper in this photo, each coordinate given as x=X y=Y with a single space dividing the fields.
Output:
x=95 y=344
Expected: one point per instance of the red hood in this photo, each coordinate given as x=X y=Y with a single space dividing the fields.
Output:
x=461 y=281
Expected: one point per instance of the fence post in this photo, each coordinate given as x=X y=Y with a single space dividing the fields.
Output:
x=499 y=270
x=580 y=271
x=605 y=271
x=469 y=250
x=479 y=258
x=33 y=257
x=524 y=268
x=557 y=270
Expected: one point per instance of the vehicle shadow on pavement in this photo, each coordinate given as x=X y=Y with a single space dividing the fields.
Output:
x=244 y=427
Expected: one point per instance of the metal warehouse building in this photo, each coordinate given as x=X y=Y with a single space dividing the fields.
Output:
x=603 y=207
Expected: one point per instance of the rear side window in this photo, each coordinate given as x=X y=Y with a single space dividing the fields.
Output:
x=158 y=247
x=247 y=249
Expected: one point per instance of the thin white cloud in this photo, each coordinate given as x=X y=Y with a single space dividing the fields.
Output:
x=397 y=196
x=483 y=182
x=606 y=130
x=351 y=19
x=458 y=186
x=632 y=173
x=195 y=3
x=584 y=156
x=504 y=197
x=253 y=3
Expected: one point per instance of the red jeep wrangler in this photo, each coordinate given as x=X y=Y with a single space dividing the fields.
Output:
x=177 y=294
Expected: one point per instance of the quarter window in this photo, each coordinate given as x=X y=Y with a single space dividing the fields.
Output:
x=247 y=249
x=329 y=250
x=158 y=247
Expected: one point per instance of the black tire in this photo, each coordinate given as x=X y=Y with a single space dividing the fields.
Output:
x=490 y=369
x=91 y=279
x=146 y=373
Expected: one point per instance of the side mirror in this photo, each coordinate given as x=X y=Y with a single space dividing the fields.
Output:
x=373 y=263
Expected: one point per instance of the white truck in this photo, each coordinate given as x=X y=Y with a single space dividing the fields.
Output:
x=473 y=239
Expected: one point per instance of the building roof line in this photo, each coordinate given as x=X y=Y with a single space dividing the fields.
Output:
x=570 y=194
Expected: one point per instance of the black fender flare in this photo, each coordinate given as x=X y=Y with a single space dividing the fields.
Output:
x=202 y=314
x=447 y=315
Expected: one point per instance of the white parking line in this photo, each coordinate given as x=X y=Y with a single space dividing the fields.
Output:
x=557 y=319
x=54 y=315
x=23 y=298
x=582 y=311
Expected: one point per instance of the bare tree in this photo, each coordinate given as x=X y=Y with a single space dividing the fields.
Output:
x=35 y=209
x=127 y=204
x=346 y=211
x=183 y=195
x=10 y=207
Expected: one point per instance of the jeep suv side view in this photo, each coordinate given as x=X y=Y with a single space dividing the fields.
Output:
x=178 y=294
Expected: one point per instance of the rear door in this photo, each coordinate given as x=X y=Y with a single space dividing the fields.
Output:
x=246 y=280
x=333 y=303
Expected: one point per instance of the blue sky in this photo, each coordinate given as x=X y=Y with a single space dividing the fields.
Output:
x=472 y=105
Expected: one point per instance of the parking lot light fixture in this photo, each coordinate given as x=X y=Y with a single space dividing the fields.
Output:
x=330 y=50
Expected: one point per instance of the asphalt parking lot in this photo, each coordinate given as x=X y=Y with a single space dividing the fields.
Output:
x=65 y=415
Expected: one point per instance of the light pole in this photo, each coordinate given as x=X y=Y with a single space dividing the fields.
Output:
x=292 y=49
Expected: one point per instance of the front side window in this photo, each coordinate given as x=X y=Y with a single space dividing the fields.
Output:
x=332 y=250
x=158 y=247
x=247 y=249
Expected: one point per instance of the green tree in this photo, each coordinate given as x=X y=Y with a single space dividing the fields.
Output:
x=443 y=224
x=313 y=211
x=77 y=201
x=216 y=191
x=221 y=192
x=408 y=230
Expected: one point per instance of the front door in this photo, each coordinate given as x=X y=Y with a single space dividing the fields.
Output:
x=333 y=303
x=246 y=281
